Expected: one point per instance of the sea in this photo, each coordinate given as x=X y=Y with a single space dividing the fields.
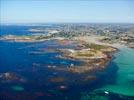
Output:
x=33 y=75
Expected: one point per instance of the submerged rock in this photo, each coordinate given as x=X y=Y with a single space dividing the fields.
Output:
x=17 y=88
x=57 y=79
x=62 y=88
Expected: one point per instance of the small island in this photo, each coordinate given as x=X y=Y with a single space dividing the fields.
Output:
x=94 y=57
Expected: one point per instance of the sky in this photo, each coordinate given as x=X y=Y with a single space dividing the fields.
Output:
x=45 y=11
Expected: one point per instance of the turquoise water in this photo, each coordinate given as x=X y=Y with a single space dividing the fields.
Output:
x=124 y=84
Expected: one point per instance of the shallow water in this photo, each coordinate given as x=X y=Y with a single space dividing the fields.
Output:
x=124 y=84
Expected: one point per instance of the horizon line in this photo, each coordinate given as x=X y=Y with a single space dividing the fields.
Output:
x=63 y=22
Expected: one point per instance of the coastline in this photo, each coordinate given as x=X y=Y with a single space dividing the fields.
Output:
x=94 y=54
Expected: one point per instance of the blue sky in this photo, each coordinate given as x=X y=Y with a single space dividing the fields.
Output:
x=37 y=11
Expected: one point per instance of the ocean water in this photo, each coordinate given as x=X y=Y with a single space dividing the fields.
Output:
x=35 y=81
